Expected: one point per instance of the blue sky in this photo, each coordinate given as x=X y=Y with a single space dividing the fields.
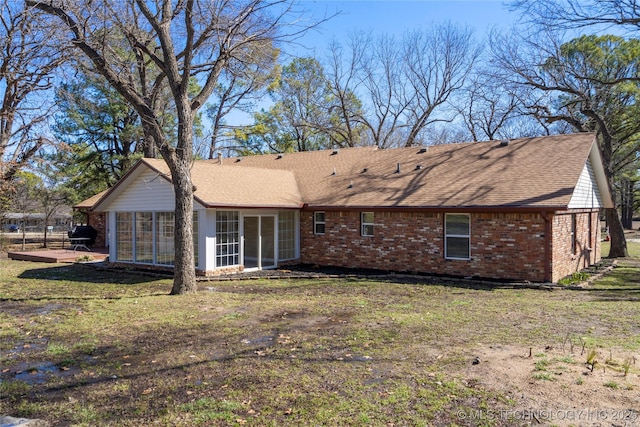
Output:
x=390 y=17
x=395 y=17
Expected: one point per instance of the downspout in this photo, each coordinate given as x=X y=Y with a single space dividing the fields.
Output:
x=548 y=244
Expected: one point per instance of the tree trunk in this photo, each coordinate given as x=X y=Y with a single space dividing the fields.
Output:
x=184 y=279
x=627 y=204
x=616 y=233
x=180 y=160
x=149 y=149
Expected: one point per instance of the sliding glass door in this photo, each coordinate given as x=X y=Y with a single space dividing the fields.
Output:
x=259 y=241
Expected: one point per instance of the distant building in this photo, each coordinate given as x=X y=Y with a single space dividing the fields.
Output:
x=35 y=222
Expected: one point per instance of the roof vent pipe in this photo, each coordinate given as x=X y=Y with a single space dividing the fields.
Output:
x=418 y=167
x=504 y=142
x=280 y=156
x=350 y=185
x=219 y=158
x=398 y=168
x=334 y=171
x=335 y=151
x=422 y=150
x=365 y=170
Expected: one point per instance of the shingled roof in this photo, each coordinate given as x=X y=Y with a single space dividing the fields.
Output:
x=522 y=173
x=528 y=172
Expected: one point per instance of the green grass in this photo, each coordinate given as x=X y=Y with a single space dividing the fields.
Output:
x=270 y=353
x=632 y=247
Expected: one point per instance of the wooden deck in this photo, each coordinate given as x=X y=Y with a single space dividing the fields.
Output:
x=59 y=255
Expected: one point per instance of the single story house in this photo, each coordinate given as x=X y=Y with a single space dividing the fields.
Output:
x=524 y=209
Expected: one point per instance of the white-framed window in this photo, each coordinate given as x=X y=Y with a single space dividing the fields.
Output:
x=227 y=238
x=124 y=236
x=144 y=237
x=457 y=236
x=148 y=237
x=286 y=235
x=165 y=230
x=196 y=238
x=318 y=223
x=366 y=224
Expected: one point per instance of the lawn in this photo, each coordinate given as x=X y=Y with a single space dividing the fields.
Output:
x=84 y=346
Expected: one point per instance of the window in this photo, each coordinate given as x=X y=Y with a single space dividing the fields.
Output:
x=457 y=240
x=318 y=223
x=148 y=237
x=165 y=230
x=227 y=239
x=366 y=224
x=286 y=235
x=144 y=237
x=196 y=237
x=124 y=236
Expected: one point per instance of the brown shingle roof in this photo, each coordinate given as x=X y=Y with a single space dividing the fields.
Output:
x=91 y=201
x=528 y=172
x=532 y=172
x=225 y=186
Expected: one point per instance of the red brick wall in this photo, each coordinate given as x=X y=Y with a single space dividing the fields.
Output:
x=566 y=261
x=98 y=220
x=503 y=246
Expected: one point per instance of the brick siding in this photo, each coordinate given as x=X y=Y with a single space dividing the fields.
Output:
x=98 y=220
x=503 y=245
x=587 y=243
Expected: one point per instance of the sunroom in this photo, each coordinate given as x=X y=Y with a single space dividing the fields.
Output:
x=224 y=240
x=242 y=219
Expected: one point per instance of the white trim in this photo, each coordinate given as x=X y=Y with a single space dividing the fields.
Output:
x=465 y=236
x=324 y=222
x=364 y=224
x=600 y=176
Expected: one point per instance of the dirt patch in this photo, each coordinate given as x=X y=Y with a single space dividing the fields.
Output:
x=84 y=349
x=552 y=387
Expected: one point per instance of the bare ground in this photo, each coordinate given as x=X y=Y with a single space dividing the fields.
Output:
x=89 y=347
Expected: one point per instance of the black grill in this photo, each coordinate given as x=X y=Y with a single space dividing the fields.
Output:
x=85 y=231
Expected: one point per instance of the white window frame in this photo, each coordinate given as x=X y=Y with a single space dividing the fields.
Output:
x=231 y=248
x=164 y=244
x=364 y=226
x=287 y=235
x=458 y=236
x=316 y=222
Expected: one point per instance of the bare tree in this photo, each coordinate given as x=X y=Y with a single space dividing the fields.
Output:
x=342 y=81
x=436 y=64
x=242 y=84
x=577 y=14
x=407 y=82
x=580 y=83
x=486 y=107
x=185 y=40
x=29 y=55
x=386 y=92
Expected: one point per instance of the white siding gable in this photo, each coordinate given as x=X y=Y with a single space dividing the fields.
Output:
x=586 y=194
x=146 y=192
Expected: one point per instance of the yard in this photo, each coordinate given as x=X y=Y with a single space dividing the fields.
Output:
x=84 y=346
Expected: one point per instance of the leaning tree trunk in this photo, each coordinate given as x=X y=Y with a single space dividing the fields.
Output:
x=616 y=233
